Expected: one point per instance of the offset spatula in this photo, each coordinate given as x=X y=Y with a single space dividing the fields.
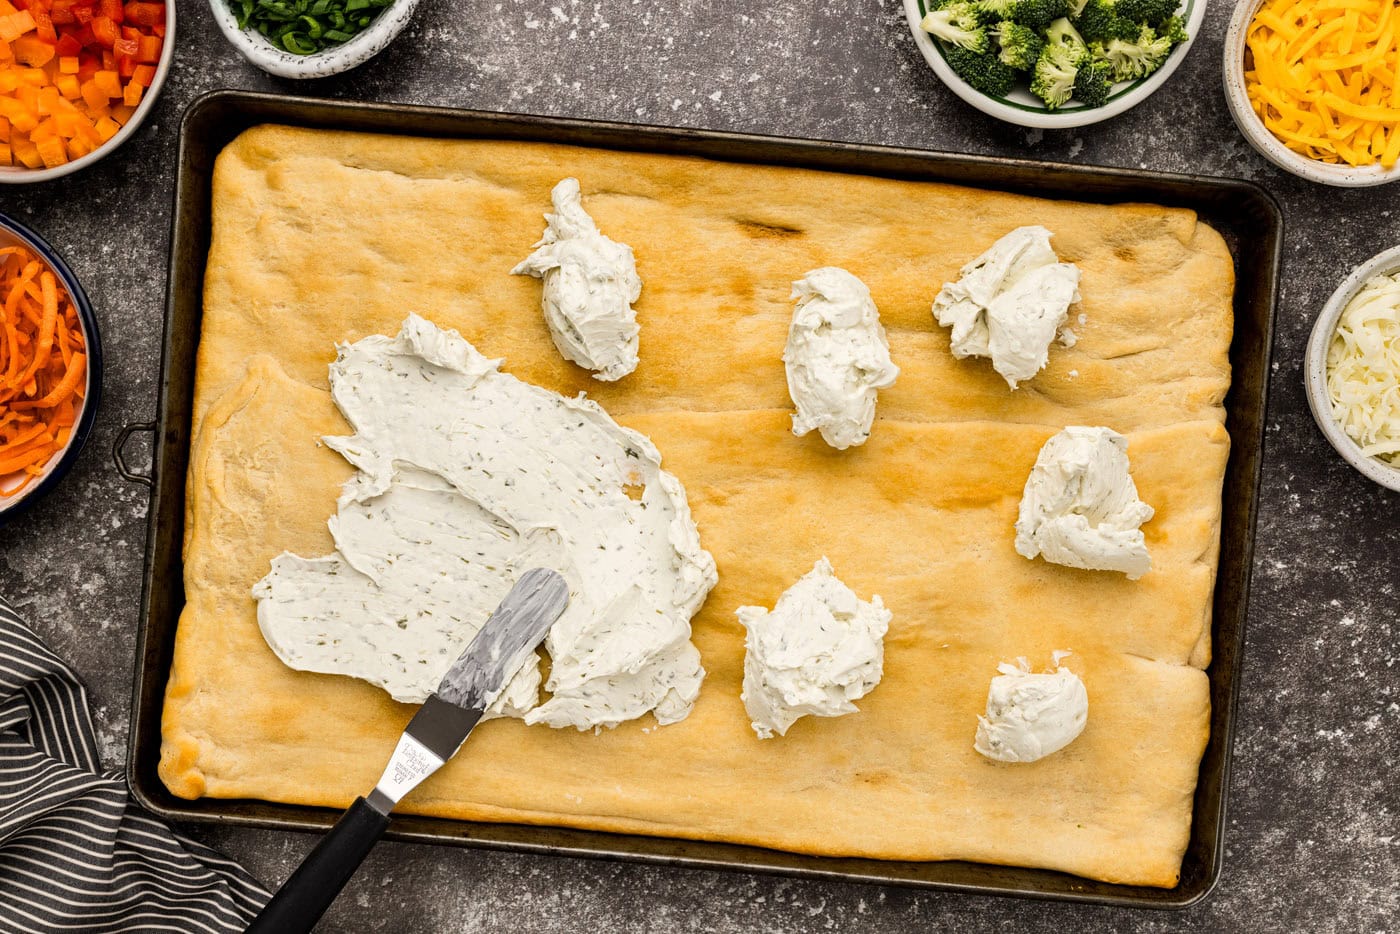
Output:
x=431 y=738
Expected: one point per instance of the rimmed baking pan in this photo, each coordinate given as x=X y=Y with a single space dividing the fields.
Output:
x=1244 y=214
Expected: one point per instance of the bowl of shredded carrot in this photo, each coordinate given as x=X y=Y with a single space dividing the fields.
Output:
x=50 y=368
x=77 y=77
x=1314 y=85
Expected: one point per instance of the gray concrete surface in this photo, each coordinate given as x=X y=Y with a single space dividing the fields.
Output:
x=1314 y=826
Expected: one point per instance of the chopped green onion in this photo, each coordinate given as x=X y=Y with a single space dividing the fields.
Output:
x=305 y=27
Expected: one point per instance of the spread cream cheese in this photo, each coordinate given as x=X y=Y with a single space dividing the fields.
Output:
x=466 y=478
x=837 y=356
x=1010 y=303
x=1080 y=506
x=819 y=649
x=1029 y=716
x=590 y=283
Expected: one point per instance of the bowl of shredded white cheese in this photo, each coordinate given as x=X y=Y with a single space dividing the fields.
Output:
x=1353 y=369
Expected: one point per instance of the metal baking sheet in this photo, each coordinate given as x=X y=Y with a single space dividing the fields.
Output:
x=1245 y=214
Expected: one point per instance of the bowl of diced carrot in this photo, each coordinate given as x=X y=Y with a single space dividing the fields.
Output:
x=1314 y=86
x=50 y=368
x=77 y=77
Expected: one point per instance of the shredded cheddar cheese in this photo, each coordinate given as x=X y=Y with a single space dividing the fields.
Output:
x=1324 y=77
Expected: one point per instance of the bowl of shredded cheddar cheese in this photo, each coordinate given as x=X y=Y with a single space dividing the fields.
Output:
x=1315 y=87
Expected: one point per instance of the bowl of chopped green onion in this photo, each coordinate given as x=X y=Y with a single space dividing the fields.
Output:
x=311 y=38
x=1054 y=64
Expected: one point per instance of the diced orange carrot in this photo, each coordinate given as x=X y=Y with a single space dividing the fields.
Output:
x=14 y=25
x=52 y=151
x=5 y=157
x=79 y=147
x=48 y=100
x=132 y=95
x=47 y=127
x=109 y=83
x=68 y=65
x=7 y=8
x=68 y=86
x=93 y=95
x=27 y=153
x=144 y=75
x=6 y=53
x=9 y=80
x=107 y=128
x=122 y=113
x=70 y=125
x=4 y=129
x=34 y=77
x=32 y=51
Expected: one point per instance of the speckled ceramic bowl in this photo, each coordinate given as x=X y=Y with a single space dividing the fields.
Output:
x=19 y=175
x=11 y=233
x=1268 y=145
x=364 y=46
x=1315 y=369
x=1023 y=108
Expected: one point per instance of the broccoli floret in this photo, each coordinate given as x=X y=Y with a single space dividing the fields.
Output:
x=1136 y=58
x=1099 y=21
x=1062 y=32
x=1037 y=14
x=1076 y=7
x=1055 y=71
x=991 y=12
x=1020 y=45
x=957 y=24
x=983 y=70
x=1092 y=83
x=1174 y=29
x=1151 y=12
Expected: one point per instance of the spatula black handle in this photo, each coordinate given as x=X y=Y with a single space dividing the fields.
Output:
x=303 y=898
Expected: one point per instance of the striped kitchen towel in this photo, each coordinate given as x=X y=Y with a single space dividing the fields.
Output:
x=76 y=854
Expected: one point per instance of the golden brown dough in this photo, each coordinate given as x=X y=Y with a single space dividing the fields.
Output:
x=322 y=237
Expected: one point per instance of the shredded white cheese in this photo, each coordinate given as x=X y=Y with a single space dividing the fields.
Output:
x=1363 y=369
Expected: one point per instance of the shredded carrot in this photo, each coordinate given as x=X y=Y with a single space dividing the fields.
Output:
x=43 y=365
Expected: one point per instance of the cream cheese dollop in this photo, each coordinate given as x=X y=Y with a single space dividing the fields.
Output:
x=466 y=477
x=837 y=357
x=820 y=648
x=1080 y=507
x=1029 y=716
x=1010 y=303
x=590 y=283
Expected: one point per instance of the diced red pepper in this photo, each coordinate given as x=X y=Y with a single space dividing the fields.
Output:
x=67 y=45
x=104 y=30
x=112 y=9
x=82 y=14
x=43 y=23
x=126 y=66
x=145 y=14
x=125 y=47
x=148 y=49
x=62 y=12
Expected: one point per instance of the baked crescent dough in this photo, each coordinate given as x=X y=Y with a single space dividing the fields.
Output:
x=321 y=237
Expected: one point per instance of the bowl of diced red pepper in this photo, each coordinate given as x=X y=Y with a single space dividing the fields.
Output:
x=76 y=79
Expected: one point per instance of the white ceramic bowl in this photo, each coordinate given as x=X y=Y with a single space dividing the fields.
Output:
x=362 y=47
x=1023 y=108
x=1269 y=145
x=1315 y=369
x=18 y=175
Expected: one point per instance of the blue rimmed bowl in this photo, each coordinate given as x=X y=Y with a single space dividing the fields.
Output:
x=12 y=233
x=1023 y=108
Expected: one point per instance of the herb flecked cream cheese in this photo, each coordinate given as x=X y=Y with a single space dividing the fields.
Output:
x=820 y=648
x=590 y=283
x=466 y=478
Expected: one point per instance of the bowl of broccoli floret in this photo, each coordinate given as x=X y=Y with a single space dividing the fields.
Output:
x=1054 y=63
